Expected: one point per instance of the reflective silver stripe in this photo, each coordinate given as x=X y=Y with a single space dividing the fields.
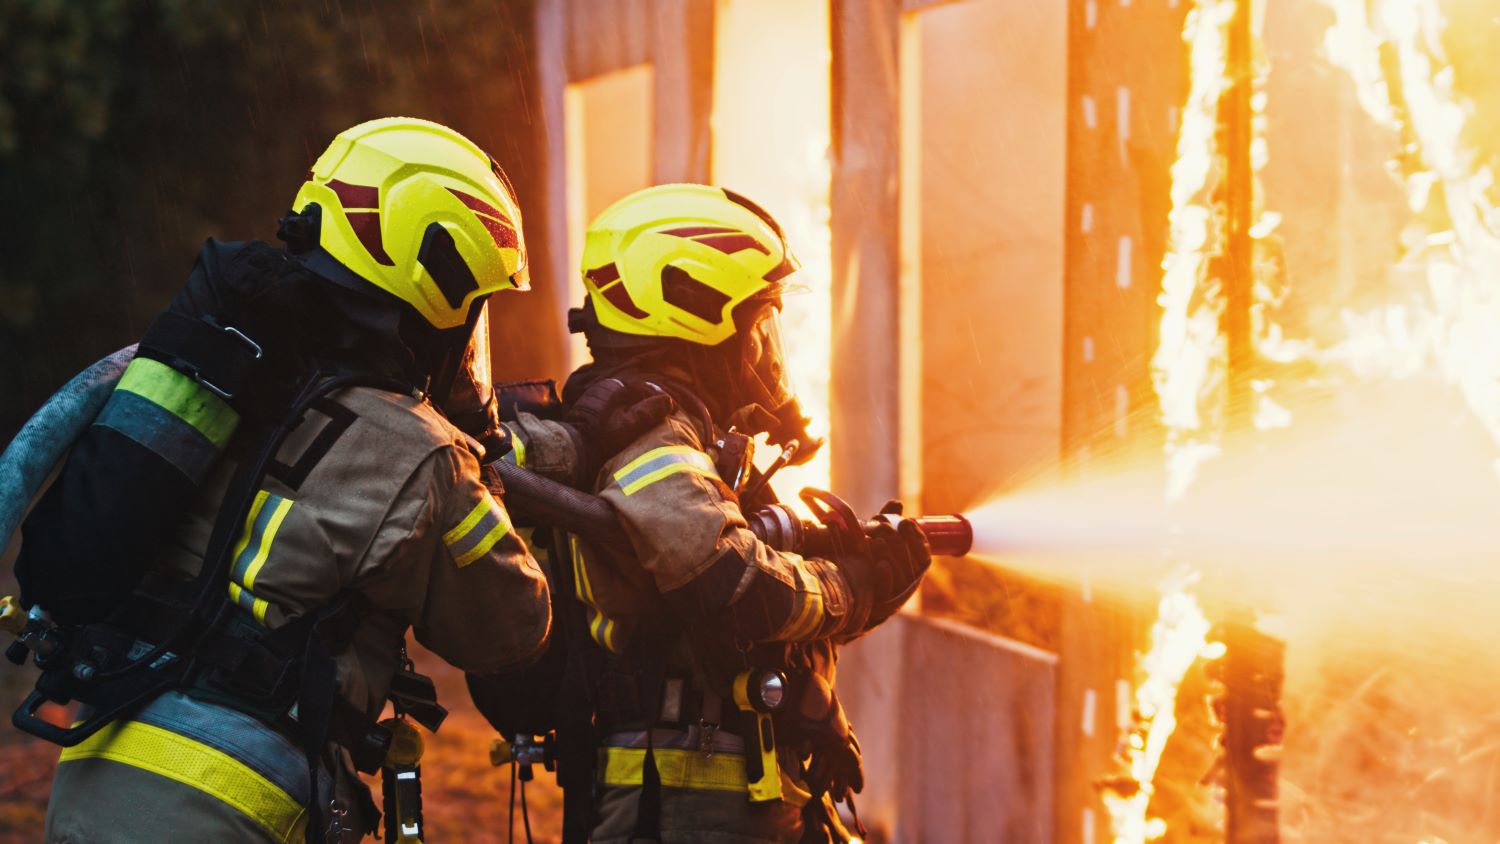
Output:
x=160 y=431
x=249 y=740
x=476 y=534
x=688 y=738
x=694 y=460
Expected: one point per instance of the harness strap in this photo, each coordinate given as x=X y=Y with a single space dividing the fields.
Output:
x=650 y=658
x=219 y=357
x=576 y=747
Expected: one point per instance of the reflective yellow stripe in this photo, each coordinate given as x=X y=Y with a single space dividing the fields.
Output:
x=580 y=572
x=283 y=505
x=678 y=768
x=485 y=544
x=517 y=455
x=660 y=463
x=601 y=627
x=181 y=396
x=259 y=502
x=473 y=537
x=245 y=569
x=468 y=522
x=258 y=606
x=211 y=771
x=805 y=623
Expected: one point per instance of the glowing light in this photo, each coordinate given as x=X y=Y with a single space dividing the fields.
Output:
x=1189 y=362
x=775 y=54
x=1178 y=638
x=1189 y=372
x=1448 y=327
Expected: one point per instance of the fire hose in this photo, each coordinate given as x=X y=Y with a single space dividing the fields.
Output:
x=537 y=500
x=52 y=430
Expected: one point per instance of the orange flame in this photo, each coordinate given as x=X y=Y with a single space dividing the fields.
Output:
x=1450 y=329
x=778 y=51
x=1189 y=372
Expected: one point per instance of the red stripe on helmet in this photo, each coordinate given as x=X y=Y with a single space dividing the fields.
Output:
x=694 y=231
x=601 y=276
x=618 y=296
x=503 y=234
x=355 y=196
x=366 y=226
x=732 y=243
x=478 y=205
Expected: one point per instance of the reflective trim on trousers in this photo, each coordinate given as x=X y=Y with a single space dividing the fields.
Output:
x=623 y=766
x=227 y=755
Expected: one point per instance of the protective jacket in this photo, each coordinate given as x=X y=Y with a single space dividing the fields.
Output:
x=374 y=499
x=394 y=510
x=700 y=601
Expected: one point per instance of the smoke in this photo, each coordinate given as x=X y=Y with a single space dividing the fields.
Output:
x=1367 y=536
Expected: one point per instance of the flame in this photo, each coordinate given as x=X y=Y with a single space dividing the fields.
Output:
x=1445 y=325
x=778 y=52
x=1189 y=373
x=1190 y=361
x=1179 y=638
x=1448 y=327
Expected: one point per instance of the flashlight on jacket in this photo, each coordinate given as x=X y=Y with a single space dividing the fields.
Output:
x=781 y=528
x=760 y=692
x=401 y=783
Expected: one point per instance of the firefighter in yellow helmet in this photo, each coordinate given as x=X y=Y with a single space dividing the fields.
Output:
x=285 y=481
x=690 y=639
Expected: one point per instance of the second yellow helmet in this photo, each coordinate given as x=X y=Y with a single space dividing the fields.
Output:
x=675 y=261
x=419 y=211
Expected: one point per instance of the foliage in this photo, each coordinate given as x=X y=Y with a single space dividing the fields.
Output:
x=130 y=130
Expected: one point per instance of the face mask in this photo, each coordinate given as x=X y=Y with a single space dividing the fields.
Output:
x=767 y=387
x=765 y=362
x=469 y=400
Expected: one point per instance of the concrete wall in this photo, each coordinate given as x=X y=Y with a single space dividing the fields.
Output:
x=580 y=43
x=956 y=727
x=989 y=113
x=1126 y=81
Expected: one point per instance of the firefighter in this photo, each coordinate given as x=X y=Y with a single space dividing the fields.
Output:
x=690 y=642
x=371 y=517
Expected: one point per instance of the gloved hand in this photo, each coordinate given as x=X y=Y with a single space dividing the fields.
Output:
x=899 y=557
x=612 y=414
x=836 y=767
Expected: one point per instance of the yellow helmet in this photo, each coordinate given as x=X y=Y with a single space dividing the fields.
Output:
x=419 y=211
x=701 y=265
x=676 y=260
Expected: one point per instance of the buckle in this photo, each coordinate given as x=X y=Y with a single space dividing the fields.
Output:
x=255 y=350
x=707 y=731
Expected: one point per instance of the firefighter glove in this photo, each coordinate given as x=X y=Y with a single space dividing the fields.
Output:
x=836 y=767
x=899 y=558
x=611 y=414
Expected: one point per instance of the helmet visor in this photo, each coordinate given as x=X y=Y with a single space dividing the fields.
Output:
x=469 y=403
x=766 y=360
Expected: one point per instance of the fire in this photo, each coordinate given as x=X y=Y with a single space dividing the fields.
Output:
x=1178 y=639
x=1189 y=364
x=778 y=52
x=1189 y=372
x=1392 y=50
x=1449 y=326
